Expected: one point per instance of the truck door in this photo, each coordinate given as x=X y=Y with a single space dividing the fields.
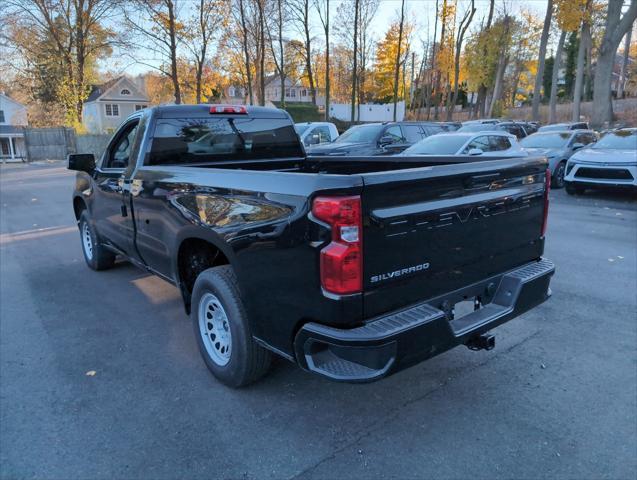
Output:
x=112 y=216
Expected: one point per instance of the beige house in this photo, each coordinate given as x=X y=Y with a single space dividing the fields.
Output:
x=109 y=104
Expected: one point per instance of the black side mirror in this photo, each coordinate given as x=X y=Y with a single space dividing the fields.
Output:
x=386 y=140
x=82 y=162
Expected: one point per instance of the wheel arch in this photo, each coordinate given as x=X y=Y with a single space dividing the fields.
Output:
x=194 y=254
x=79 y=205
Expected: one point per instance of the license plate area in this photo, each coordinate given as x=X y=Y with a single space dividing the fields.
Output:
x=465 y=307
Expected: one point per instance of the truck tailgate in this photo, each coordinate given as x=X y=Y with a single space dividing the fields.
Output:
x=433 y=230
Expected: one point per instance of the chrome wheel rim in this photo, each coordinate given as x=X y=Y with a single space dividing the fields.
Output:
x=214 y=328
x=560 y=175
x=87 y=241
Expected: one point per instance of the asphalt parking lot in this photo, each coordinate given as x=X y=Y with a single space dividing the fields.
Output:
x=557 y=398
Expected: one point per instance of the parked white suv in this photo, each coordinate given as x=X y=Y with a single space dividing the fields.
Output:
x=611 y=162
x=492 y=144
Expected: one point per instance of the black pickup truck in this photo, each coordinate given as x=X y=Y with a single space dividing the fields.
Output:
x=353 y=267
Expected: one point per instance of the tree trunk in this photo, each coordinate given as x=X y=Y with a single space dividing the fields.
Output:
x=308 y=50
x=622 y=76
x=398 y=52
x=616 y=28
x=282 y=57
x=579 y=71
x=540 y=64
x=554 y=78
x=262 y=56
x=499 y=81
x=327 y=61
x=246 y=52
x=173 y=52
x=464 y=25
x=354 y=72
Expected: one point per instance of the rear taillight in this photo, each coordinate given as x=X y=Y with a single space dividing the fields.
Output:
x=342 y=259
x=547 y=189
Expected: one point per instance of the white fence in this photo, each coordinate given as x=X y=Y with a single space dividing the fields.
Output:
x=368 y=112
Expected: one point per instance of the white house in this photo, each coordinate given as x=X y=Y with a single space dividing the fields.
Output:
x=294 y=91
x=110 y=103
x=13 y=119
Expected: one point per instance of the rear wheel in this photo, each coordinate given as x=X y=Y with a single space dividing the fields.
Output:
x=558 y=175
x=222 y=329
x=96 y=255
x=573 y=189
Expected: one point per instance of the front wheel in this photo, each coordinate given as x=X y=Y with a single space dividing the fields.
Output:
x=96 y=255
x=222 y=329
x=558 y=175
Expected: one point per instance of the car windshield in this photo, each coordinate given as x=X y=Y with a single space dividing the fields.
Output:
x=301 y=128
x=360 y=133
x=546 y=140
x=438 y=145
x=620 y=140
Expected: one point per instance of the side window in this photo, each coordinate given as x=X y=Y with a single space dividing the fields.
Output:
x=433 y=129
x=394 y=132
x=499 y=143
x=323 y=133
x=479 y=142
x=119 y=150
x=412 y=133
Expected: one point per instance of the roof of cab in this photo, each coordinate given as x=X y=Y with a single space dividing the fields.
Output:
x=203 y=110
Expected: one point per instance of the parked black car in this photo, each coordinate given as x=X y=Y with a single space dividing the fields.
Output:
x=351 y=267
x=386 y=138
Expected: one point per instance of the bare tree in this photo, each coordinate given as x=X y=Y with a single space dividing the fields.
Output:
x=540 y=63
x=355 y=53
x=503 y=61
x=279 y=63
x=585 y=32
x=398 y=55
x=482 y=89
x=616 y=27
x=245 y=47
x=155 y=21
x=324 y=15
x=622 y=76
x=554 y=77
x=207 y=14
x=301 y=16
x=462 y=30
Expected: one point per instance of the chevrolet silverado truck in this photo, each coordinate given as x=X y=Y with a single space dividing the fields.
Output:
x=352 y=267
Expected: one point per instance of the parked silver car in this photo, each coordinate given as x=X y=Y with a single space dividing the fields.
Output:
x=493 y=144
x=611 y=162
x=558 y=148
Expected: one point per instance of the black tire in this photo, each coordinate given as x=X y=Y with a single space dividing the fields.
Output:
x=573 y=189
x=96 y=255
x=247 y=361
x=558 y=175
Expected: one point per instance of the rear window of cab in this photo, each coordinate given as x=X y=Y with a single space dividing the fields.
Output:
x=199 y=140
